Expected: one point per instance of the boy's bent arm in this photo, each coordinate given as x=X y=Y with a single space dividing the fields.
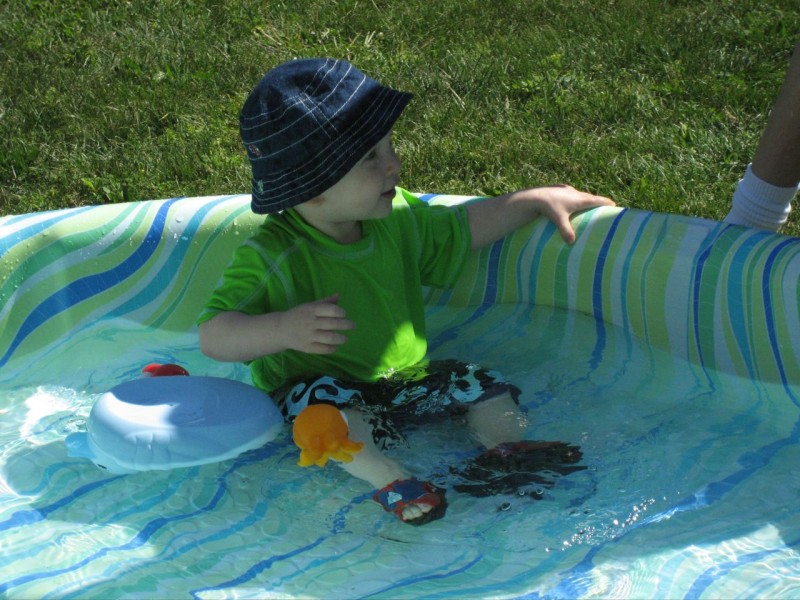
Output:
x=493 y=218
x=238 y=337
x=313 y=327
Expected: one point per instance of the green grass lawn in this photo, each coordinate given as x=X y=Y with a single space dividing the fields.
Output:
x=656 y=103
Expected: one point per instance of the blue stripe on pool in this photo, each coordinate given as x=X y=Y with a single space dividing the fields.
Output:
x=713 y=574
x=492 y=286
x=196 y=225
x=141 y=538
x=91 y=285
x=649 y=258
x=769 y=314
x=699 y=264
x=430 y=577
x=736 y=304
x=160 y=280
x=257 y=568
x=627 y=258
x=597 y=293
x=575 y=584
x=490 y=295
x=9 y=241
x=258 y=512
x=26 y=517
x=537 y=253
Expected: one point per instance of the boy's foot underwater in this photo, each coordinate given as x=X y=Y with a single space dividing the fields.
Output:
x=507 y=468
x=413 y=501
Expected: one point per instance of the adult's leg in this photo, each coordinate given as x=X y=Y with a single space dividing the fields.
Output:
x=763 y=197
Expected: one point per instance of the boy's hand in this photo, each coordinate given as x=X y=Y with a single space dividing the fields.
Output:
x=492 y=218
x=559 y=202
x=314 y=327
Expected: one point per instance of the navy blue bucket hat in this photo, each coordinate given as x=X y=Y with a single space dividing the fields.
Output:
x=307 y=123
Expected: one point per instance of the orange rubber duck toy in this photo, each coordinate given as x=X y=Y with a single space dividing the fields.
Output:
x=320 y=431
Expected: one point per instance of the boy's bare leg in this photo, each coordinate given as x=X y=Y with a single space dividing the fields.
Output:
x=372 y=465
x=497 y=420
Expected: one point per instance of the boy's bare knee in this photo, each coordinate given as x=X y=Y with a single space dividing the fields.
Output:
x=497 y=420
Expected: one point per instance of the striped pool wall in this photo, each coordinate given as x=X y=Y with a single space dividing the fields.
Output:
x=152 y=262
x=725 y=297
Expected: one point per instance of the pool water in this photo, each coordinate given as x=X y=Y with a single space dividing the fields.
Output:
x=691 y=487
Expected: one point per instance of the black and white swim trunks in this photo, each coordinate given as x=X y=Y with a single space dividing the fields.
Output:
x=437 y=388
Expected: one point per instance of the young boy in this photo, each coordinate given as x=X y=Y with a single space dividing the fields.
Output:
x=325 y=300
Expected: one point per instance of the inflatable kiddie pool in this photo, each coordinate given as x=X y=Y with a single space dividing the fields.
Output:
x=667 y=347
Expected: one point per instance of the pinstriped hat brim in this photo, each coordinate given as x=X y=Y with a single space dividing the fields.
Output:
x=307 y=123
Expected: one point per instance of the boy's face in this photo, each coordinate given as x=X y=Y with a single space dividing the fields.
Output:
x=365 y=192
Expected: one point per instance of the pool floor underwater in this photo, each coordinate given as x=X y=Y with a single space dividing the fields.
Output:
x=691 y=487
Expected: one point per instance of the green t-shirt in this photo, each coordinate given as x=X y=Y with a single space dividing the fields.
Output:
x=379 y=280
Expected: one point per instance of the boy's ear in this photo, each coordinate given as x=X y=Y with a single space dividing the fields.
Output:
x=316 y=201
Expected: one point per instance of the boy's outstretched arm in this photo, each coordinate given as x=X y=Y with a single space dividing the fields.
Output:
x=493 y=218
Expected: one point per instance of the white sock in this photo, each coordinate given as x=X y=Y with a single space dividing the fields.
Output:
x=757 y=203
